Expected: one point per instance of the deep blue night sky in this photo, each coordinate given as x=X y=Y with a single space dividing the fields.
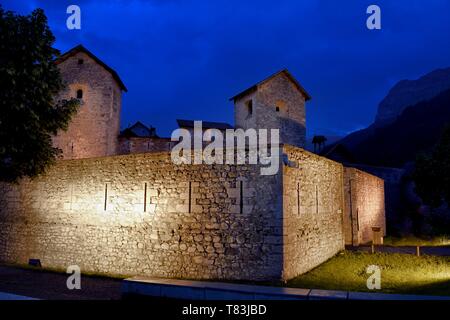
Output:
x=184 y=59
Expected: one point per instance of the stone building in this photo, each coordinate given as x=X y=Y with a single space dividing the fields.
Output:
x=365 y=207
x=139 y=138
x=277 y=102
x=393 y=184
x=94 y=130
x=189 y=125
x=206 y=125
x=121 y=208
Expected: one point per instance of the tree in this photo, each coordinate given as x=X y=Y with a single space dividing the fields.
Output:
x=29 y=85
x=320 y=142
x=432 y=173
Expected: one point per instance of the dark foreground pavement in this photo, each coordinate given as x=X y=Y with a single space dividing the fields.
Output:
x=52 y=286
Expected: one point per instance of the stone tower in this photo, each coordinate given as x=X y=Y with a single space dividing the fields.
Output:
x=277 y=102
x=94 y=130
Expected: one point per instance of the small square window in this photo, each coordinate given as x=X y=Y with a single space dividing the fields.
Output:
x=79 y=94
x=277 y=109
x=80 y=61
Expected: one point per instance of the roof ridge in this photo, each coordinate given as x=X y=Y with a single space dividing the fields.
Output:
x=81 y=48
x=286 y=72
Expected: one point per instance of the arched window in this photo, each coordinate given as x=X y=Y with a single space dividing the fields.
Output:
x=280 y=106
x=79 y=94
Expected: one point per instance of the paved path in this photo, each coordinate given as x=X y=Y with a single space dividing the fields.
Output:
x=17 y=283
x=204 y=290
x=49 y=285
x=433 y=251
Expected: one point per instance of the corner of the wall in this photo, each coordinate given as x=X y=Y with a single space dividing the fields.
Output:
x=343 y=204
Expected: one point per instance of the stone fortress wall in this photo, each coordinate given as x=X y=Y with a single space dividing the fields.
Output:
x=364 y=206
x=312 y=211
x=140 y=214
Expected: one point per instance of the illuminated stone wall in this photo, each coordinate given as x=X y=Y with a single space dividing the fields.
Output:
x=158 y=219
x=141 y=214
x=94 y=130
x=278 y=93
x=364 y=206
x=312 y=211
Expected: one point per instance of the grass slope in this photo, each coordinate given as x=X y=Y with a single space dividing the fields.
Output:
x=414 y=241
x=400 y=273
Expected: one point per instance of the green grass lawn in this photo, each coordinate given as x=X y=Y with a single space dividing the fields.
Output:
x=415 y=241
x=400 y=273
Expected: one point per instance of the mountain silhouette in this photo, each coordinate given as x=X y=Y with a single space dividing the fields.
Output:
x=410 y=120
x=417 y=129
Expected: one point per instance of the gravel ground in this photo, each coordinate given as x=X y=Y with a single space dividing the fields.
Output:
x=52 y=286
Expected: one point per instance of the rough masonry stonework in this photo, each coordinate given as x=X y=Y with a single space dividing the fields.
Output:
x=312 y=211
x=94 y=130
x=364 y=206
x=275 y=103
x=141 y=214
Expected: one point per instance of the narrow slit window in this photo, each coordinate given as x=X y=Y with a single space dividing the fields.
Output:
x=250 y=107
x=106 y=197
x=298 y=198
x=79 y=94
x=317 y=201
x=357 y=219
x=241 y=196
x=145 y=197
x=190 y=196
